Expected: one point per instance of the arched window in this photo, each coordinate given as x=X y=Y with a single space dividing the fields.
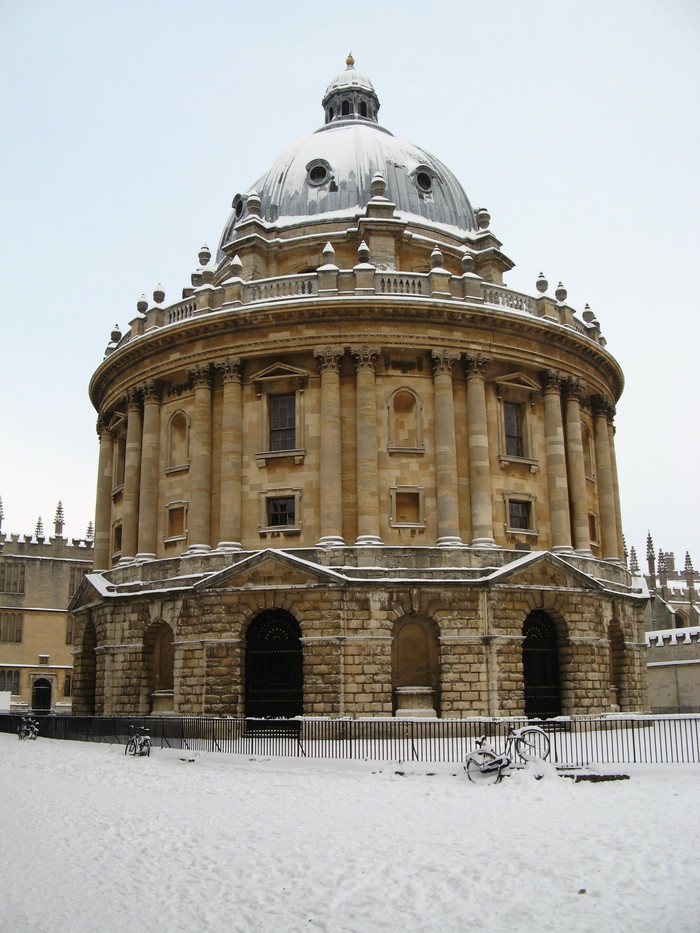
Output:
x=345 y=108
x=681 y=620
x=178 y=440
x=541 y=666
x=363 y=109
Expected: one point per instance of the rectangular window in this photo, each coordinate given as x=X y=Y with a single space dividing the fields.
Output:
x=9 y=680
x=176 y=522
x=69 y=630
x=117 y=549
x=592 y=528
x=68 y=686
x=519 y=514
x=76 y=575
x=282 y=413
x=11 y=577
x=280 y=511
x=513 y=422
x=11 y=627
x=43 y=659
x=407 y=508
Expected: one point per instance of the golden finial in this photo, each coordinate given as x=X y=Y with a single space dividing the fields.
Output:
x=350 y=61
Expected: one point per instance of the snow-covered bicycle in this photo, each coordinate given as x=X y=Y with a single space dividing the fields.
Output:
x=28 y=728
x=139 y=742
x=485 y=766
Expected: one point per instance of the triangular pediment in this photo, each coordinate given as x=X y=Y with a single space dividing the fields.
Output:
x=88 y=592
x=517 y=381
x=268 y=569
x=544 y=569
x=279 y=371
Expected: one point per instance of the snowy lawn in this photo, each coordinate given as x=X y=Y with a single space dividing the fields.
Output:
x=94 y=841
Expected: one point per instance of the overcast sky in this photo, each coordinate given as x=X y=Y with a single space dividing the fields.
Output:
x=127 y=127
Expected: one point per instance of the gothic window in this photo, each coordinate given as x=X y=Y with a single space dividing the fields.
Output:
x=11 y=627
x=405 y=429
x=11 y=577
x=9 y=681
x=178 y=441
x=76 y=575
x=70 y=623
x=282 y=412
x=68 y=685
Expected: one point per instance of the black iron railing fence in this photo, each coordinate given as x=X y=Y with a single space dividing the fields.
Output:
x=607 y=740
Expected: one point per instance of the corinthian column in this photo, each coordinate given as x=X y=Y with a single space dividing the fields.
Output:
x=132 y=475
x=616 y=491
x=148 y=492
x=331 y=519
x=103 y=499
x=576 y=466
x=230 y=533
x=602 y=411
x=367 y=469
x=560 y=523
x=445 y=450
x=199 y=513
x=478 y=445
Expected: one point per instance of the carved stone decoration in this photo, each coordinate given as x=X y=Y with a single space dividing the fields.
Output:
x=365 y=357
x=574 y=388
x=329 y=358
x=444 y=360
x=200 y=375
x=477 y=365
x=151 y=390
x=602 y=406
x=132 y=398
x=231 y=369
x=551 y=380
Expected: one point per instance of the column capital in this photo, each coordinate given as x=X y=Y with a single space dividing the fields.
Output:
x=574 y=388
x=200 y=375
x=329 y=358
x=101 y=426
x=476 y=366
x=133 y=398
x=150 y=390
x=444 y=360
x=231 y=368
x=603 y=407
x=551 y=380
x=365 y=357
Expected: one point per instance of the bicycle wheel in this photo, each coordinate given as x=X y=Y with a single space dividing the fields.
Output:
x=130 y=747
x=481 y=769
x=532 y=744
x=146 y=748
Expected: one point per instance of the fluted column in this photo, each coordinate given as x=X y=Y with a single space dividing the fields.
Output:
x=331 y=498
x=103 y=498
x=367 y=468
x=445 y=450
x=557 y=485
x=132 y=476
x=148 y=492
x=478 y=446
x=199 y=513
x=230 y=532
x=602 y=411
x=576 y=467
x=616 y=491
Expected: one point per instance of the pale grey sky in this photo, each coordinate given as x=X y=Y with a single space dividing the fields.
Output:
x=127 y=127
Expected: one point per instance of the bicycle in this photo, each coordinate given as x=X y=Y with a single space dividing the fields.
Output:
x=139 y=743
x=484 y=766
x=28 y=728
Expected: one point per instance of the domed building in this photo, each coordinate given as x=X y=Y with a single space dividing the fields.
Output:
x=351 y=473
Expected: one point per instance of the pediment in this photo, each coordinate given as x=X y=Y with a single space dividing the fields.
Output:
x=279 y=371
x=268 y=569
x=544 y=569
x=517 y=381
x=86 y=593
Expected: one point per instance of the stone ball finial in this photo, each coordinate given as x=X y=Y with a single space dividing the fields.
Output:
x=142 y=305
x=236 y=266
x=436 y=257
x=588 y=315
x=158 y=294
x=204 y=255
x=467 y=262
x=363 y=252
x=116 y=334
x=378 y=185
x=560 y=293
x=254 y=203
x=541 y=284
x=483 y=218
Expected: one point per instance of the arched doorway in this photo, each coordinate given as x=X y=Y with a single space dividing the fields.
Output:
x=274 y=683
x=617 y=664
x=41 y=695
x=541 y=666
x=85 y=673
x=160 y=659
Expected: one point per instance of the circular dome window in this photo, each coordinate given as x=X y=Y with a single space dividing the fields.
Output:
x=424 y=181
x=318 y=172
x=238 y=205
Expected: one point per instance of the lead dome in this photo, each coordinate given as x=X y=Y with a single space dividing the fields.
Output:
x=327 y=175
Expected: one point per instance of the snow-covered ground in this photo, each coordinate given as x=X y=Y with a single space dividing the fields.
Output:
x=94 y=842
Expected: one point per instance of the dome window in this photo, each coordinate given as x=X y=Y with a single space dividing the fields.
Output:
x=318 y=172
x=424 y=180
x=238 y=205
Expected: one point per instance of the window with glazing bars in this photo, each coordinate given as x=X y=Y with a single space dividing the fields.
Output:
x=282 y=409
x=519 y=514
x=280 y=511
x=513 y=420
x=11 y=629
x=9 y=680
x=11 y=577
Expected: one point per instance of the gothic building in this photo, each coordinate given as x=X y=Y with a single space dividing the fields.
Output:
x=352 y=473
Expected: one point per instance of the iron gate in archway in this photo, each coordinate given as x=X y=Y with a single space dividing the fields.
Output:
x=273 y=672
x=541 y=666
